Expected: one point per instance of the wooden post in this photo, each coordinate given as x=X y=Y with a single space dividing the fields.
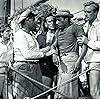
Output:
x=2 y=12
x=22 y=4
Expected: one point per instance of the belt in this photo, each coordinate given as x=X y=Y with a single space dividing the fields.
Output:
x=65 y=54
x=31 y=62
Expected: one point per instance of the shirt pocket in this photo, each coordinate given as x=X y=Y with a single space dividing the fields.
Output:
x=25 y=68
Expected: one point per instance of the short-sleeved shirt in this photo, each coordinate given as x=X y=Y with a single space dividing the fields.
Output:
x=67 y=39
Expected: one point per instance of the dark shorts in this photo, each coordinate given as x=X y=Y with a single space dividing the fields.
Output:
x=48 y=68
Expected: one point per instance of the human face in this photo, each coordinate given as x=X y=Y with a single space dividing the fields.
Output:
x=90 y=14
x=61 y=22
x=50 y=22
x=32 y=24
x=38 y=25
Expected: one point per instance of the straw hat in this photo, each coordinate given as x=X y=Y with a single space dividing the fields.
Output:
x=65 y=13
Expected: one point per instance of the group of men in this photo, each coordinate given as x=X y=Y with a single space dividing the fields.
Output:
x=53 y=55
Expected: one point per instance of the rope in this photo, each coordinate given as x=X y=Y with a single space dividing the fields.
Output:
x=63 y=83
x=32 y=80
x=78 y=12
x=50 y=89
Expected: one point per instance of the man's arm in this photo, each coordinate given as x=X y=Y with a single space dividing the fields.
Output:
x=46 y=49
x=53 y=47
x=83 y=52
x=79 y=32
x=95 y=45
x=81 y=56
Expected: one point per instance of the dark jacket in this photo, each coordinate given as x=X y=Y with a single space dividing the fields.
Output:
x=47 y=66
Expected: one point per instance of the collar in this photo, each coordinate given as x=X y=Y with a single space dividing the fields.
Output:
x=93 y=24
x=95 y=21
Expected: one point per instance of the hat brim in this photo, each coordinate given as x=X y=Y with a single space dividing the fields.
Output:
x=64 y=15
x=21 y=19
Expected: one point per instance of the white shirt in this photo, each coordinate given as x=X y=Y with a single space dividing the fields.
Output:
x=93 y=53
x=26 y=47
x=3 y=48
x=6 y=55
x=49 y=38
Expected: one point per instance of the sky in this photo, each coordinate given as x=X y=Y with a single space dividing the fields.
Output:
x=72 y=5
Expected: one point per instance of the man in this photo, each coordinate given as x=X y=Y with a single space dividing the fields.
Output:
x=6 y=55
x=68 y=48
x=92 y=58
x=26 y=57
x=48 y=68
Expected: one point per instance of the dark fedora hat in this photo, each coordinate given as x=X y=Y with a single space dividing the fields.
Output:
x=65 y=13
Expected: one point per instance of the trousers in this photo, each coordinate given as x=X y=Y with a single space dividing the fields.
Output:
x=70 y=89
x=94 y=80
x=22 y=86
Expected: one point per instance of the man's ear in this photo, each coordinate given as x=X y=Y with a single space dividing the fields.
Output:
x=96 y=13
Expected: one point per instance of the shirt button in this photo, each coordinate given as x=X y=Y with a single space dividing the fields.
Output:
x=44 y=63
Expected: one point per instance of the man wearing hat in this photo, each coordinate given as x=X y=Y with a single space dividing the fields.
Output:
x=26 y=55
x=68 y=48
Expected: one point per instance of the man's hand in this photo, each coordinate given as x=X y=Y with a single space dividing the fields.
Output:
x=51 y=52
x=82 y=40
x=77 y=67
x=46 y=49
x=63 y=67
